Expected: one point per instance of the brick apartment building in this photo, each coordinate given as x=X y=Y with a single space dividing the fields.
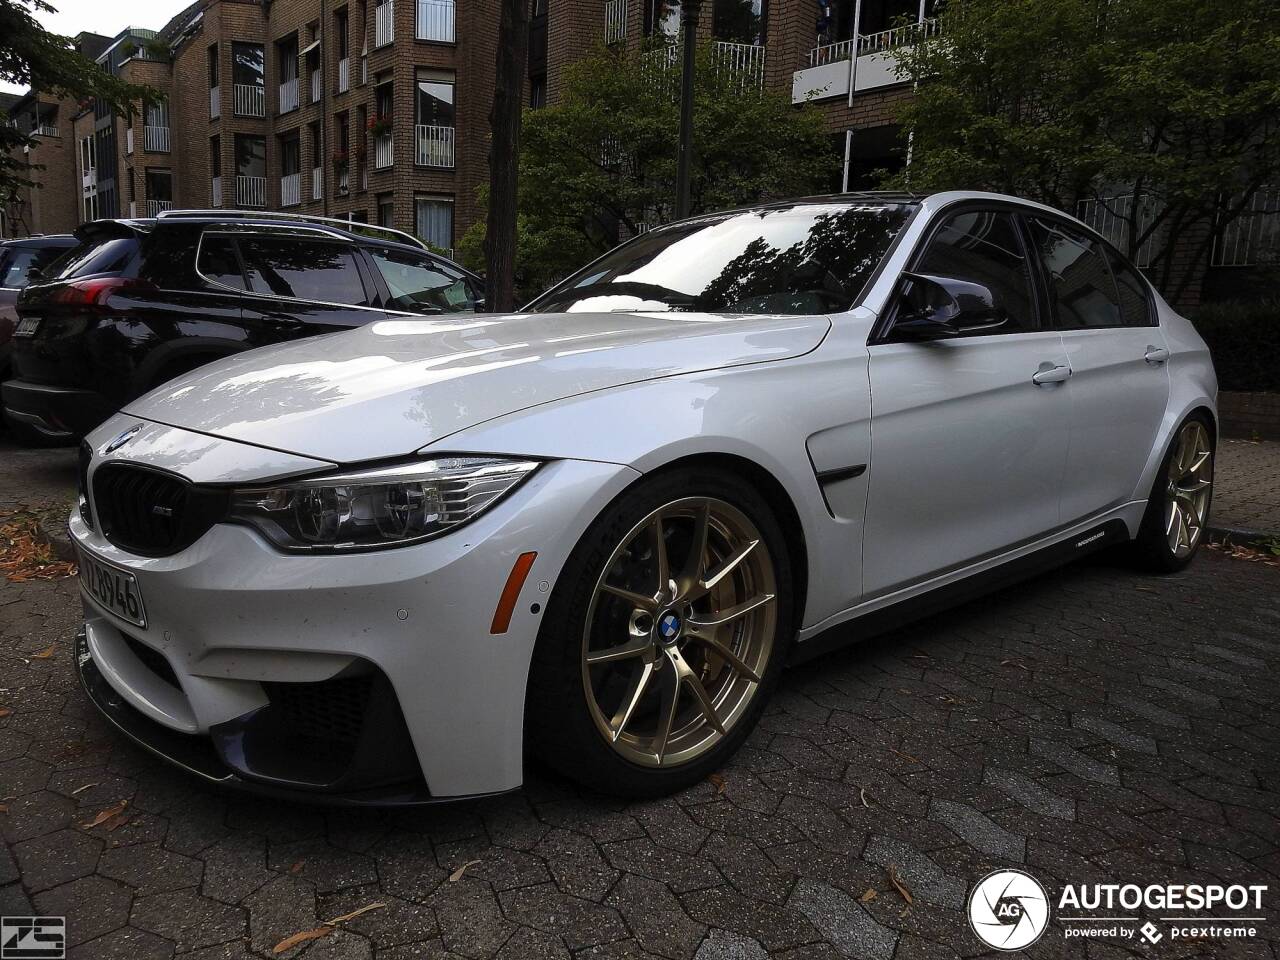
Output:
x=377 y=109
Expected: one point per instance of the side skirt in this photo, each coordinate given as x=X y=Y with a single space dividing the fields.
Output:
x=919 y=606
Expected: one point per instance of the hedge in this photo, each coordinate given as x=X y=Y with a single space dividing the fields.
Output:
x=1245 y=341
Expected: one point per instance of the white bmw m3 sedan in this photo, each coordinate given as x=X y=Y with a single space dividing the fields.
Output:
x=392 y=564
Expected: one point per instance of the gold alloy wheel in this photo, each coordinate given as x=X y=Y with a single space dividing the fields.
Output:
x=679 y=632
x=1190 y=483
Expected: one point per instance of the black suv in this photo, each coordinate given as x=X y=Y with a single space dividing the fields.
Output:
x=139 y=302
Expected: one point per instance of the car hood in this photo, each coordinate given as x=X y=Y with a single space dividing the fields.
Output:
x=393 y=386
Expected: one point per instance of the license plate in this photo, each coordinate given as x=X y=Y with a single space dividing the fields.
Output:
x=114 y=589
x=27 y=327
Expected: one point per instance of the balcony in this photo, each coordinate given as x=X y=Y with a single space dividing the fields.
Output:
x=215 y=102
x=315 y=86
x=344 y=74
x=45 y=130
x=155 y=139
x=745 y=60
x=288 y=98
x=153 y=207
x=384 y=30
x=251 y=191
x=128 y=140
x=434 y=146
x=215 y=192
x=828 y=72
x=615 y=21
x=291 y=190
x=251 y=100
x=435 y=21
x=382 y=150
x=317 y=183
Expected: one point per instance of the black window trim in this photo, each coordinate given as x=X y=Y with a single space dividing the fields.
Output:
x=880 y=332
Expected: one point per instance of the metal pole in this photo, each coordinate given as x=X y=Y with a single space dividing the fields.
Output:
x=689 y=10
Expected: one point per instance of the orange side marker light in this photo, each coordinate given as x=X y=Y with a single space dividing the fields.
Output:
x=511 y=592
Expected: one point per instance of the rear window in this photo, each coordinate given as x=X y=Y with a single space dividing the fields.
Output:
x=96 y=255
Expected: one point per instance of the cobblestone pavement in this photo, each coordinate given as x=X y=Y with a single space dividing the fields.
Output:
x=1247 y=494
x=1093 y=725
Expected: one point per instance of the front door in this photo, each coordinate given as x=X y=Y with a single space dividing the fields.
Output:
x=967 y=450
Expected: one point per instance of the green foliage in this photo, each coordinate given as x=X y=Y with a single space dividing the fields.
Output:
x=1244 y=339
x=1175 y=101
x=30 y=55
x=604 y=157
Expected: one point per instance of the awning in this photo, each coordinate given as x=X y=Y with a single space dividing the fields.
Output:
x=311 y=46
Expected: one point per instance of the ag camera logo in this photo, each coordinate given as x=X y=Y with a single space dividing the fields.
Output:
x=1009 y=910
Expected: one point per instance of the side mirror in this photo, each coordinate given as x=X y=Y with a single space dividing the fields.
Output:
x=933 y=308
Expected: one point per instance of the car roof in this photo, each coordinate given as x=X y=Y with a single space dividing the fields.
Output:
x=46 y=240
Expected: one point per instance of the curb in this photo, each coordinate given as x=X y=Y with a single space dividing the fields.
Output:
x=1241 y=535
x=59 y=540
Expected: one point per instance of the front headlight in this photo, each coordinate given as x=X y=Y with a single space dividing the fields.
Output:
x=380 y=507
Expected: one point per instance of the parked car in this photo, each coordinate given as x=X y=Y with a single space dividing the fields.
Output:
x=21 y=261
x=383 y=565
x=140 y=301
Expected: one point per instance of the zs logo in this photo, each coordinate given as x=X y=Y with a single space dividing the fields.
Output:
x=33 y=938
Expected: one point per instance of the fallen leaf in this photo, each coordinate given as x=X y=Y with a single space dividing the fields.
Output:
x=288 y=943
x=1015 y=663
x=83 y=789
x=355 y=913
x=716 y=781
x=296 y=868
x=899 y=885
x=905 y=756
x=5 y=712
x=46 y=653
x=862 y=795
x=106 y=815
x=119 y=820
x=4 y=808
x=869 y=895
x=457 y=874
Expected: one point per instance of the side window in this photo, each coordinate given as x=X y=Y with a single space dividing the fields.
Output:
x=302 y=269
x=1135 y=301
x=217 y=261
x=1081 y=287
x=983 y=246
x=421 y=285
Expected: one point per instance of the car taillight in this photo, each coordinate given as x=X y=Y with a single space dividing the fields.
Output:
x=95 y=291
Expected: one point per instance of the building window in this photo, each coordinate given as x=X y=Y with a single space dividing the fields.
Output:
x=662 y=17
x=739 y=21
x=287 y=58
x=251 y=170
x=433 y=221
x=434 y=120
x=435 y=21
x=248 y=75
x=386 y=210
x=538 y=92
x=159 y=190
x=214 y=72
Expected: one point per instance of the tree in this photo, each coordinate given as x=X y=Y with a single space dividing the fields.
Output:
x=601 y=163
x=504 y=122
x=32 y=56
x=1163 y=111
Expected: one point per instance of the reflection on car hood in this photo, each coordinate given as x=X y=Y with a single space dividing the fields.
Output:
x=390 y=387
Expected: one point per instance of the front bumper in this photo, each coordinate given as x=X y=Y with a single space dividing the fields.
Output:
x=56 y=412
x=230 y=620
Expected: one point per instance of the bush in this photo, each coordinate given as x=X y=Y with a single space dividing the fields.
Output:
x=1245 y=341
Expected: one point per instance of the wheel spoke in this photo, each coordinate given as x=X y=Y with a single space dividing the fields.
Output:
x=686 y=677
x=727 y=654
x=726 y=567
x=660 y=557
x=639 y=600
x=639 y=687
x=1184 y=533
x=693 y=565
x=623 y=652
x=733 y=613
x=668 y=705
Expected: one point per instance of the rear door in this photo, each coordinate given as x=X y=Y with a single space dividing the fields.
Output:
x=967 y=450
x=1119 y=387
x=299 y=285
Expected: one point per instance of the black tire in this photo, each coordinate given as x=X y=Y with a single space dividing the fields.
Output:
x=1150 y=549
x=558 y=724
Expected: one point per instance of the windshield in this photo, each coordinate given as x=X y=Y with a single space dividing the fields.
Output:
x=807 y=258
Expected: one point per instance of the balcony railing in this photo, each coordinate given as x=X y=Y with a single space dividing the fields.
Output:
x=215 y=102
x=344 y=74
x=155 y=139
x=1111 y=217
x=344 y=182
x=746 y=60
x=45 y=130
x=382 y=150
x=251 y=191
x=435 y=146
x=873 y=42
x=154 y=207
x=128 y=140
x=364 y=69
x=384 y=30
x=615 y=21
x=288 y=99
x=317 y=183
x=291 y=190
x=251 y=100
x=315 y=86
x=215 y=192
x=435 y=21
x=1253 y=238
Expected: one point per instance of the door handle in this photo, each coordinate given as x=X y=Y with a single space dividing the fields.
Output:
x=1155 y=355
x=1050 y=374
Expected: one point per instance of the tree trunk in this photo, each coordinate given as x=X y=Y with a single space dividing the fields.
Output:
x=504 y=153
